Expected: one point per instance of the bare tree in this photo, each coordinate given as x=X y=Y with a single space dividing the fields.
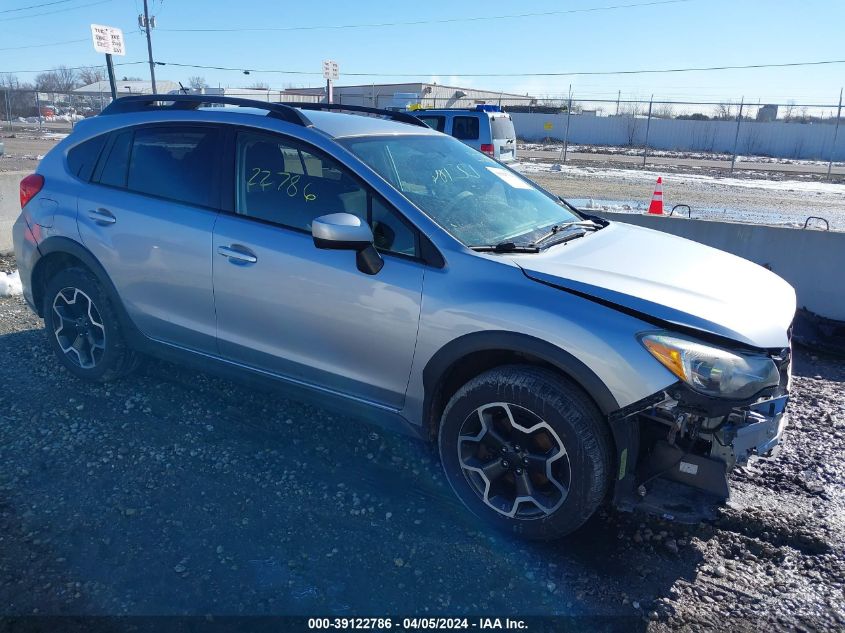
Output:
x=61 y=79
x=631 y=111
x=663 y=111
x=21 y=96
x=197 y=83
x=724 y=111
x=91 y=75
x=789 y=110
x=259 y=85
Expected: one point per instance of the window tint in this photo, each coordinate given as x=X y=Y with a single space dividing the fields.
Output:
x=390 y=232
x=283 y=183
x=434 y=122
x=465 y=128
x=114 y=169
x=174 y=163
x=82 y=158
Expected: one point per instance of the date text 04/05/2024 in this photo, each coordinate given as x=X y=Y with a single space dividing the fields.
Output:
x=413 y=624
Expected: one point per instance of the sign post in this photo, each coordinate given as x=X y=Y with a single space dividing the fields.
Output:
x=331 y=71
x=108 y=40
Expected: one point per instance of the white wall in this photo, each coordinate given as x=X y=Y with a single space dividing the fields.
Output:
x=775 y=138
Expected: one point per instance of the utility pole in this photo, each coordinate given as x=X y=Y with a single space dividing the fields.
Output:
x=835 y=134
x=148 y=26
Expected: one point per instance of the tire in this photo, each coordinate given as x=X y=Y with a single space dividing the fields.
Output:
x=87 y=339
x=565 y=458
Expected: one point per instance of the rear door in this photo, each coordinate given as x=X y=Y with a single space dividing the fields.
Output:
x=148 y=217
x=504 y=137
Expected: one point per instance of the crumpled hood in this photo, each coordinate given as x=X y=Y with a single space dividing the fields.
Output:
x=672 y=279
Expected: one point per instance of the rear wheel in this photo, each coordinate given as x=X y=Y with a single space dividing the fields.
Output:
x=527 y=450
x=83 y=328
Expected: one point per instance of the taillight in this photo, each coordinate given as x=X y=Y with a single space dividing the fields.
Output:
x=30 y=186
x=487 y=148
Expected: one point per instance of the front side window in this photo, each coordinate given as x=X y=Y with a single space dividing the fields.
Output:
x=285 y=183
x=476 y=199
x=465 y=128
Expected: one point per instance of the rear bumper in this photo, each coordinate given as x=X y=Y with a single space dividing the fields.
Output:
x=26 y=255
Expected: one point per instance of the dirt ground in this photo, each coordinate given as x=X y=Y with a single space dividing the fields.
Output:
x=177 y=492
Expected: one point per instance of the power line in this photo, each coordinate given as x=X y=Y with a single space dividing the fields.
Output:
x=46 y=44
x=423 y=22
x=35 y=15
x=452 y=74
x=547 y=74
x=46 y=70
x=35 y=6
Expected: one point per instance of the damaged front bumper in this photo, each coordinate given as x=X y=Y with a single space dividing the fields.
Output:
x=676 y=450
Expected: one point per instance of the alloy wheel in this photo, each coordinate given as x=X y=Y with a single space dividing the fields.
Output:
x=78 y=327
x=514 y=461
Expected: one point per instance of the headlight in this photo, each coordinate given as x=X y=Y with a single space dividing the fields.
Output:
x=711 y=370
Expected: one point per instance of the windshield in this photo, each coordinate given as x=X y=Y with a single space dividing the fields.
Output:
x=476 y=199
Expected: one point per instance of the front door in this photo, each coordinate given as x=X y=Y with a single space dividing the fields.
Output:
x=310 y=315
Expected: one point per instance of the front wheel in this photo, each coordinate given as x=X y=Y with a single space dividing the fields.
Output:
x=527 y=450
x=83 y=328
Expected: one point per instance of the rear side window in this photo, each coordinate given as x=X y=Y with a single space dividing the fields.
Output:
x=83 y=158
x=434 y=122
x=503 y=128
x=465 y=128
x=174 y=163
x=114 y=168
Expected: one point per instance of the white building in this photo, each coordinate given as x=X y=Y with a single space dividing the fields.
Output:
x=427 y=95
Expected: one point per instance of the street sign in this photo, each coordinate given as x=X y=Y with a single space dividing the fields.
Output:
x=331 y=70
x=108 y=39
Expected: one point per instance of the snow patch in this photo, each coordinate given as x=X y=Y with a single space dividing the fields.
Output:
x=651 y=176
x=10 y=284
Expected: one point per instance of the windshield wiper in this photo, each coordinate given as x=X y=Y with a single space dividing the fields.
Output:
x=506 y=247
x=557 y=228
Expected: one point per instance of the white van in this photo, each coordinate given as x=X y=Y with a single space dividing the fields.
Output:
x=486 y=128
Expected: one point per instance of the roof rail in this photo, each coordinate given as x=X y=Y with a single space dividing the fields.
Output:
x=144 y=103
x=402 y=117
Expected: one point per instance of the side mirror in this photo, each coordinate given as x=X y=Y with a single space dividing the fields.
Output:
x=347 y=232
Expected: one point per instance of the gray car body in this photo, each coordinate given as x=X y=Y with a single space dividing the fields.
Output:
x=381 y=342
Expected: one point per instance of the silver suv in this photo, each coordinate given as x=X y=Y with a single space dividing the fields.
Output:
x=364 y=259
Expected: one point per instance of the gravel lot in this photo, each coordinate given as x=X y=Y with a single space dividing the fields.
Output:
x=177 y=492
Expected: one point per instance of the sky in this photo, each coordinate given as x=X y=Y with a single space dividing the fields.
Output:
x=681 y=33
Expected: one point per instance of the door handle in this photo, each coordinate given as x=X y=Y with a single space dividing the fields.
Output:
x=102 y=216
x=237 y=253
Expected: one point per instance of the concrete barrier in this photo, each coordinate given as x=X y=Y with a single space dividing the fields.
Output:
x=812 y=261
x=10 y=205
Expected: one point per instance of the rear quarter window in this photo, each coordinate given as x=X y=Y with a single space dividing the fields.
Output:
x=82 y=159
x=434 y=122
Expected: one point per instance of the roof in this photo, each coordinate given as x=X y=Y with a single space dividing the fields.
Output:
x=344 y=121
x=342 y=124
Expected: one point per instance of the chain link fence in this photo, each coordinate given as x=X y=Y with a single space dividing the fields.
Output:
x=722 y=130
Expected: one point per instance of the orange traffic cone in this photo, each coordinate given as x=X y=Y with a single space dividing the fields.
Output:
x=656 y=206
